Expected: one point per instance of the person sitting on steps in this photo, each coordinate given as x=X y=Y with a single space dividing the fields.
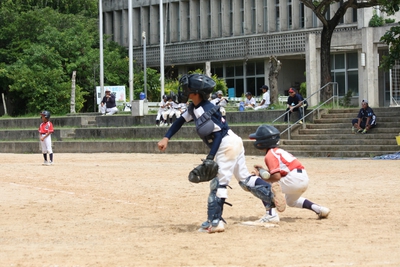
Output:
x=365 y=120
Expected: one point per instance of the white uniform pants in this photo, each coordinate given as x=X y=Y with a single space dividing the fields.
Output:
x=46 y=145
x=170 y=113
x=293 y=185
x=231 y=161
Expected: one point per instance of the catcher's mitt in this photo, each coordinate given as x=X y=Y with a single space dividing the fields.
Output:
x=204 y=172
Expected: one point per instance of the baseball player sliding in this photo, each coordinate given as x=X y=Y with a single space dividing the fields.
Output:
x=226 y=156
x=286 y=170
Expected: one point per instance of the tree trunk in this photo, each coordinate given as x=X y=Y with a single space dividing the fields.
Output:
x=326 y=37
x=73 y=93
x=273 y=78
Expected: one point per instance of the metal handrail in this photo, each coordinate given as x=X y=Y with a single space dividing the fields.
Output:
x=335 y=96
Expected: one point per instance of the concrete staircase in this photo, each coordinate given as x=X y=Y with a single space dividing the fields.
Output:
x=327 y=136
x=331 y=136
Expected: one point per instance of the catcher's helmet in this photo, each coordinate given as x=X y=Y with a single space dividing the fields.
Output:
x=266 y=137
x=195 y=83
x=46 y=114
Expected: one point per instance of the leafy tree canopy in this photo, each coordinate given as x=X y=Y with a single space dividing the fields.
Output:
x=39 y=50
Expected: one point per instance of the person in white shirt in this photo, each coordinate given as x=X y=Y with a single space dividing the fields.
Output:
x=172 y=109
x=250 y=102
x=265 y=99
x=161 y=109
x=220 y=101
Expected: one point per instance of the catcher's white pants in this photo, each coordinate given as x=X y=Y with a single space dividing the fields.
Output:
x=46 y=145
x=231 y=161
x=293 y=185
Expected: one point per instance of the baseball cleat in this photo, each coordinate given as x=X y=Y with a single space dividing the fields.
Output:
x=213 y=229
x=265 y=221
x=279 y=198
x=45 y=163
x=324 y=212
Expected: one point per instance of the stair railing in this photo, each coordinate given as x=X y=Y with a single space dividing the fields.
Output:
x=335 y=103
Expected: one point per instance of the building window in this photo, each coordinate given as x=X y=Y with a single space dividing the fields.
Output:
x=242 y=17
x=168 y=26
x=328 y=13
x=188 y=21
x=354 y=15
x=289 y=13
x=209 y=18
x=265 y=16
x=344 y=71
x=301 y=17
x=233 y=73
x=277 y=16
x=253 y=17
x=231 y=17
x=220 y=19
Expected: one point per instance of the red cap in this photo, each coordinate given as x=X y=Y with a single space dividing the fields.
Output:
x=291 y=90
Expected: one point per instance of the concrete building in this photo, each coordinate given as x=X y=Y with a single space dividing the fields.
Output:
x=235 y=39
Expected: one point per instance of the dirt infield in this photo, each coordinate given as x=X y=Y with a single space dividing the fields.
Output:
x=140 y=210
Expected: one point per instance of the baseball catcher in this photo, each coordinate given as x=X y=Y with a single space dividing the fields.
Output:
x=204 y=172
x=226 y=156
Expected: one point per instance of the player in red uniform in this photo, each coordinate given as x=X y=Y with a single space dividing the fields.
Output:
x=45 y=131
x=285 y=169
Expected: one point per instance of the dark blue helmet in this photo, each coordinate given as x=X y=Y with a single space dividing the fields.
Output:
x=46 y=114
x=194 y=83
x=266 y=137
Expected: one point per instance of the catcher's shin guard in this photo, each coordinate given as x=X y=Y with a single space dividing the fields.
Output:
x=215 y=206
x=262 y=192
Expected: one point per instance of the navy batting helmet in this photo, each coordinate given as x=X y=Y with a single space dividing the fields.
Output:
x=195 y=83
x=266 y=137
x=46 y=114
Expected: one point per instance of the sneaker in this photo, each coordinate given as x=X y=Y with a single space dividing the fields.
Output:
x=45 y=163
x=324 y=213
x=279 y=198
x=161 y=123
x=353 y=130
x=300 y=121
x=364 y=132
x=213 y=229
x=49 y=163
x=359 y=130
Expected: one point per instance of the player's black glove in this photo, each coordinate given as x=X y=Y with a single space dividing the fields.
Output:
x=205 y=172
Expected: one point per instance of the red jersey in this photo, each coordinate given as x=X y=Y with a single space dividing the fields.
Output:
x=46 y=127
x=279 y=160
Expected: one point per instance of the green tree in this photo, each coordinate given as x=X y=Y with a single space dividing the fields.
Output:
x=391 y=37
x=320 y=9
x=153 y=84
x=40 y=48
